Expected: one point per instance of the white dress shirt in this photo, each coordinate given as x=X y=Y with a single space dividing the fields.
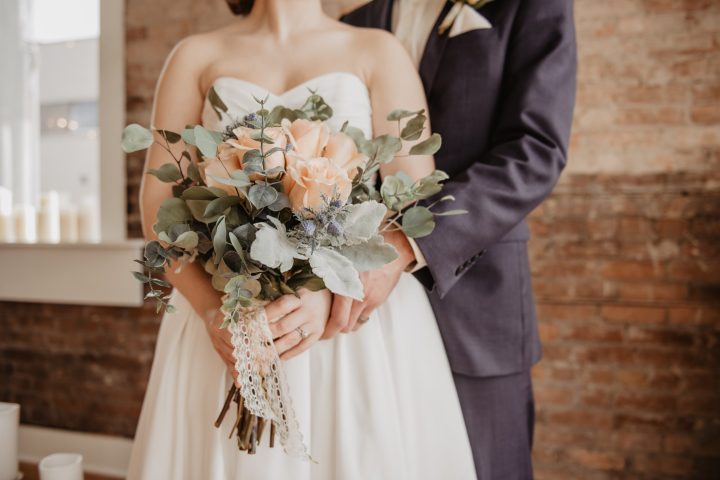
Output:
x=412 y=22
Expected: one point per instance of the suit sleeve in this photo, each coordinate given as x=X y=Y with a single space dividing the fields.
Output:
x=527 y=148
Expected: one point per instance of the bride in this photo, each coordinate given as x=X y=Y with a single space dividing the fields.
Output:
x=377 y=403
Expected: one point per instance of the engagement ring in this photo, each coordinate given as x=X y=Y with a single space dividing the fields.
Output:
x=303 y=333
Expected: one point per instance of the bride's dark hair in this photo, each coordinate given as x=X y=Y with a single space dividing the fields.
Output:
x=240 y=7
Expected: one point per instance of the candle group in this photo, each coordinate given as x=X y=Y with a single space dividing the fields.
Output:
x=57 y=220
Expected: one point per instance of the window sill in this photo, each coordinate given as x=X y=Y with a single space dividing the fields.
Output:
x=81 y=274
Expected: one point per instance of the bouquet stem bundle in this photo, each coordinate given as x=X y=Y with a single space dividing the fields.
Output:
x=248 y=427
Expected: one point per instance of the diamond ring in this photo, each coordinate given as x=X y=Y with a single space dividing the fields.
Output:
x=303 y=333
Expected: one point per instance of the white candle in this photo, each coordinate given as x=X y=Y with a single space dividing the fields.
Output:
x=68 y=224
x=7 y=222
x=89 y=221
x=9 y=423
x=61 y=466
x=25 y=224
x=49 y=218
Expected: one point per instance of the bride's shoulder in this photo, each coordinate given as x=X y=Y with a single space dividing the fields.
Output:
x=377 y=45
x=193 y=53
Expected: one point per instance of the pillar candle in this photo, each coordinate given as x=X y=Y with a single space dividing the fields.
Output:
x=49 y=218
x=25 y=224
x=68 y=224
x=7 y=222
x=9 y=423
x=61 y=466
x=89 y=221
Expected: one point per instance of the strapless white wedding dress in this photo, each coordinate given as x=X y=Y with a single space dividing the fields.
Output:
x=378 y=404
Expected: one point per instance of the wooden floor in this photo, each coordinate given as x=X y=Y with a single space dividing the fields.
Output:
x=30 y=472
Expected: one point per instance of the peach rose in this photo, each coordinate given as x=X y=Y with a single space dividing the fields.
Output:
x=231 y=152
x=308 y=138
x=342 y=151
x=314 y=178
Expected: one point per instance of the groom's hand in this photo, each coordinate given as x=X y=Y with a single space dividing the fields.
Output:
x=378 y=284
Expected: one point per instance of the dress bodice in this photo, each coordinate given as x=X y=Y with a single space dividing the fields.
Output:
x=345 y=92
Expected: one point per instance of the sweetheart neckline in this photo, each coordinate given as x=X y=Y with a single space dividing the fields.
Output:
x=305 y=83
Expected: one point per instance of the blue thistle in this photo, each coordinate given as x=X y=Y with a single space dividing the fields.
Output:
x=308 y=227
x=334 y=228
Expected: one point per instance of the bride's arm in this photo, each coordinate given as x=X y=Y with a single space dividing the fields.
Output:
x=395 y=84
x=178 y=102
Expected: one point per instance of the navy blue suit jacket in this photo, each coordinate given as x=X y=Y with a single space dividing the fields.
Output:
x=502 y=99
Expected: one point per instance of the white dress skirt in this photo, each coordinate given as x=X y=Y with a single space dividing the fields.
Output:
x=376 y=404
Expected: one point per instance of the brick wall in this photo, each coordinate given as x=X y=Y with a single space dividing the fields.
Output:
x=625 y=258
x=627 y=276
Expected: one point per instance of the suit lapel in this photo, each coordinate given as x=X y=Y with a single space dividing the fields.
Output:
x=434 y=51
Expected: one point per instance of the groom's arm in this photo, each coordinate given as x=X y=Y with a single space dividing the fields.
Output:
x=528 y=145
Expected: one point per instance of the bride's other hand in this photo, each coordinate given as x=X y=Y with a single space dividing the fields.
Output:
x=297 y=323
x=221 y=341
x=378 y=284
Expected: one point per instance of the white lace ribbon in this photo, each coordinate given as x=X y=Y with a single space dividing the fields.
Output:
x=263 y=383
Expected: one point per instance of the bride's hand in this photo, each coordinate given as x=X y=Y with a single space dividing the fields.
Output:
x=297 y=323
x=220 y=338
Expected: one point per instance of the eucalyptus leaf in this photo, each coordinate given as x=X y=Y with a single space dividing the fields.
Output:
x=414 y=127
x=167 y=173
x=262 y=196
x=136 y=137
x=363 y=145
x=187 y=241
x=246 y=234
x=235 y=241
x=188 y=135
x=141 y=277
x=171 y=211
x=216 y=103
x=417 y=222
x=203 y=193
x=220 y=239
x=400 y=114
x=429 y=146
x=206 y=142
x=193 y=172
x=171 y=137
x=450 y=213
x=233 y=182
x=337 y=272
x=387 y=147
x=219 y=205
x=282 y=201
x=197 y=209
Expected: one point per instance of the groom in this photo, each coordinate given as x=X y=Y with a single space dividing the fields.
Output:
x=500 y=82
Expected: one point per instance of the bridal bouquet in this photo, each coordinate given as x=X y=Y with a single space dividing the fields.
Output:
x=279 y=202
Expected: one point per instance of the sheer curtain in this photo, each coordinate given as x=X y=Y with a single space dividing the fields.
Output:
x=19 y=103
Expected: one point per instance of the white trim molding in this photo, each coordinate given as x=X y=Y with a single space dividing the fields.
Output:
x=102 y=454
x=113 y=202
x=84 y=274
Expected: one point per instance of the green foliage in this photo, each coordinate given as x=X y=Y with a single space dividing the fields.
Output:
x=429 y=146
x=216 y=103
x=418 y=222
x=206 y=142
x=135 y=138
x=414 y=127
x=168 y=173
x=173 y=210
